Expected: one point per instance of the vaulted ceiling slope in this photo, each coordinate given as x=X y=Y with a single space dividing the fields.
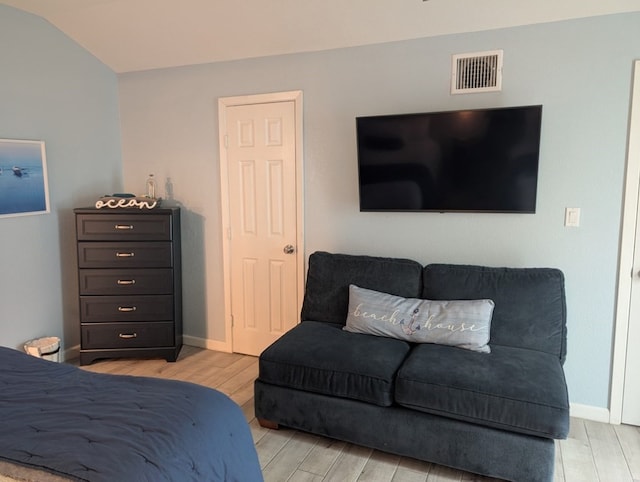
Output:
x=134 y=35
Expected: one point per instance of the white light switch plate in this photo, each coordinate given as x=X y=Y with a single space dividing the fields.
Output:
x=572 y=217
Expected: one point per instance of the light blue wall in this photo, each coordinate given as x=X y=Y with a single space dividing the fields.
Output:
x=55 y=91
x=579 y=70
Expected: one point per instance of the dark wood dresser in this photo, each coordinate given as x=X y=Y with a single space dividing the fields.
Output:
x=130 y=286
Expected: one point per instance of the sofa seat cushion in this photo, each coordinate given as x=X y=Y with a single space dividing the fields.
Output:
x=511 y=388
x=322 y=358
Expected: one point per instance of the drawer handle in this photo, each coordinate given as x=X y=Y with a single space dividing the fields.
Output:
x=126 y=282
x=128 y=336
x=127 y=309
x=125 y=255
x=125 y=227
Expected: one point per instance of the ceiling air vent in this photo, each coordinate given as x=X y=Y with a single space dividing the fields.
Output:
x=476 y=72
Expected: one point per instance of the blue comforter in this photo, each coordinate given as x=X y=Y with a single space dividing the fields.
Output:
x=101 y=427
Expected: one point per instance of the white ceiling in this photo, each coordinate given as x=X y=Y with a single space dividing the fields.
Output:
x=133 y=35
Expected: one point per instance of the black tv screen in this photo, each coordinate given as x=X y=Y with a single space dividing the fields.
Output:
x=481 y=160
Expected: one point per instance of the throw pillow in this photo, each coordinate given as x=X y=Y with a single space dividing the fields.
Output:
x=462 y=323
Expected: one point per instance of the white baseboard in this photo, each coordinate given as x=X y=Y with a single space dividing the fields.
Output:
x=70 y=353
x=206 y=343
x=588 y=412
x=74 y=351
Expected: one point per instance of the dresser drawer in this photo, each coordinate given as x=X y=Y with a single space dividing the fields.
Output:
x=125 y=255
x=127 y=335
x=112 y=227
x=100 y=309
x=126 y=281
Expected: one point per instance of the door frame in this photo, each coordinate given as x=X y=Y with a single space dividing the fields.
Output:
x=628 y=242
x=294 y=96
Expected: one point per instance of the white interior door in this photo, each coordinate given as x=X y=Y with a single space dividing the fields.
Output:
x=631 y=390
x=263 y=207
x=631 y=398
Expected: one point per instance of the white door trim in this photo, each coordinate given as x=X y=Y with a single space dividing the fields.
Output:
x=627 y=246
x=224 y=102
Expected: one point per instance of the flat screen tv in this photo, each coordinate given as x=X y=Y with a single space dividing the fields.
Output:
x=481 y=160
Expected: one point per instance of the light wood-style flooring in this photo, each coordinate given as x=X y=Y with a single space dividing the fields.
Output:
x=593 y=452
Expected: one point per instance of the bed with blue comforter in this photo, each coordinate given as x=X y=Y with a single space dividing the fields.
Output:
x=60 y=421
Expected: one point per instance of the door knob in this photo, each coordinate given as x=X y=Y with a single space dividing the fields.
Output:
x=289 y=249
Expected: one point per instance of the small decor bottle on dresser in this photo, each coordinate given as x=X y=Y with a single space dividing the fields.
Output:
x=151 y=187
x=130 y=285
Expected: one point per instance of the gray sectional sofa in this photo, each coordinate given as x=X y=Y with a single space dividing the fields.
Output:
x=495 y=414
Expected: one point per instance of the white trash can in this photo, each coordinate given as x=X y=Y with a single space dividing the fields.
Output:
x=47 y=348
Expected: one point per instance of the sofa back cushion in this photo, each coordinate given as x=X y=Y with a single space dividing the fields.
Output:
x=329 y=276
x=530 y=307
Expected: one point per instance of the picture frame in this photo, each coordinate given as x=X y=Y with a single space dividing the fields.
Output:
x=24 y=186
